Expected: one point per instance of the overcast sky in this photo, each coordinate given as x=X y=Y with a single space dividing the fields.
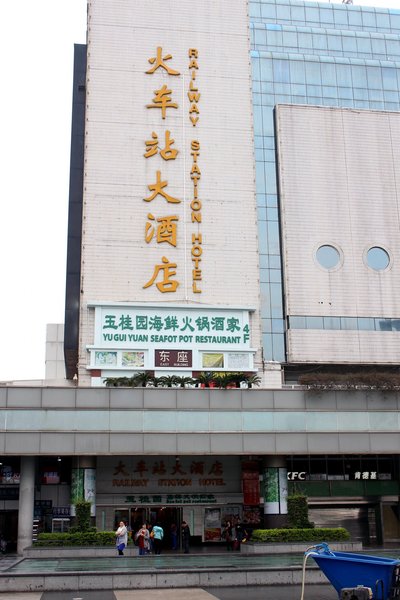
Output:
x=36 y=44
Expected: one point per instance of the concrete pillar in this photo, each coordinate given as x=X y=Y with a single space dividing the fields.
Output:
x=275 y=492
x=83 y=482
x=26 y=503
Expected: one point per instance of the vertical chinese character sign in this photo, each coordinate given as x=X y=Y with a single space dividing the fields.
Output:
x=161 y=226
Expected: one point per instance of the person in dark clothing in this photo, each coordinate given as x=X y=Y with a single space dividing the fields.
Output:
x=185 y=537
x=174 y=536
x=241 y=536
x=228 y=535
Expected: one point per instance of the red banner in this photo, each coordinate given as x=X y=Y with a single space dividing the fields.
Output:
x=251 y=488
x=173 y=358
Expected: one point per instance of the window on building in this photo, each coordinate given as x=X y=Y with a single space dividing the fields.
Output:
x=328 y=257
x=377 y=258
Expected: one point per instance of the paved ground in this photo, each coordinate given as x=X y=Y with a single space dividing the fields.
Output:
x=313 y=592
x=14 y=565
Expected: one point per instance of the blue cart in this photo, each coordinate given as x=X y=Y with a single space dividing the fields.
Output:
x=348 y=570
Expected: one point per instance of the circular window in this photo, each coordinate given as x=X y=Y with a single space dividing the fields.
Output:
x=378 y=259
x=328 y=257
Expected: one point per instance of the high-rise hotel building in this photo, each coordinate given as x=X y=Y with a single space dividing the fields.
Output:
x=234 y=207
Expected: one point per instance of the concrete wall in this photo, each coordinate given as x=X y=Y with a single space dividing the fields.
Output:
x=55 y=368
x=339 y=183
x=68 y=421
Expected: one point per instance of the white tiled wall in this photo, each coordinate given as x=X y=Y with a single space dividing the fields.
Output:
x=116 y=260
x=339 y=183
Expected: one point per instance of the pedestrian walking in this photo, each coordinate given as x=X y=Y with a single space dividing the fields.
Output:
x=241 y=537
x=143 y=538
x=121 y=538
x=185 y=537
x=158 y=534
x=228 y=535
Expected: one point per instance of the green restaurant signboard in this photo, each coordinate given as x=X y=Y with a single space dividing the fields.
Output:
x=136 y=337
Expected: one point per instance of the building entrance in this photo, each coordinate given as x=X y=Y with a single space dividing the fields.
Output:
x=8 y=530
x=168 y=517
x=391 y=523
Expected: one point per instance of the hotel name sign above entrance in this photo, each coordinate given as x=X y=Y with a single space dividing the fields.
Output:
x=162 y=226
x=165 y=336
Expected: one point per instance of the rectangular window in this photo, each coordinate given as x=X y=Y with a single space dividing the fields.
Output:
x=315 y=322
x=289 y=39
x=281 y=70
x=328 y=74
x=349 y=44
x=312 y=15
x=319 y=42
x=345 y=93
x=268 y=11
x=297 y=323
x=364 y=46
x=275 y=261
x=257 y=115
x=266 y=69
x=260 y=177
x=375 y=96
x=260 y=37
x=326 y=15
x=335 y=43
x=313 y=73
x=378 y=46
x=374 y=78
x=383 y=324
x=360 y=94
x=395 y=324
x=272 y=214
x=283 y=12
x=340 y=15
x=393 y=48
x=366 y=324
x=298 y=13
x=355 y=18
x=331 y=322
x=344 y=76
x=278 y=347
x=348 y=323
x=305 y=41
x=368 y=19
x=275 y=276
x=266 y=325
x=273 y=237
x=276 y=300
x=278 y=326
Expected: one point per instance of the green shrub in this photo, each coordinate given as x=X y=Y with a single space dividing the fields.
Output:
x=367 y=379
x=298 y=512
x=82 y=518
x=321 y=534
x=86 y=538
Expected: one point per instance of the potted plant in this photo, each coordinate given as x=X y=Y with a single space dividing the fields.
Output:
x=143 y=379
x=168 y=380
x=184 y=381
x=252 y=380
x=205 y=379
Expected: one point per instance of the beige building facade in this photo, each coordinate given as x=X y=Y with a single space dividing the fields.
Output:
x=168 y=211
